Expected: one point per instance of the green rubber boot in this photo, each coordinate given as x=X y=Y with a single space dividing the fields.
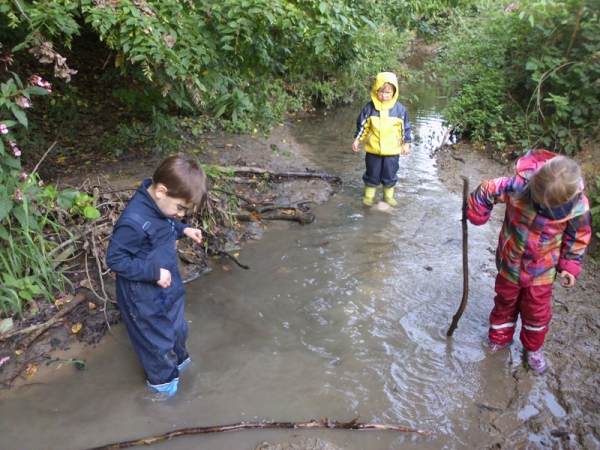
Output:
x=369 y=198
x=388 y=196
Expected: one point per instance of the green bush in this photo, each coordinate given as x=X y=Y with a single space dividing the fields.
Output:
x=527 y=73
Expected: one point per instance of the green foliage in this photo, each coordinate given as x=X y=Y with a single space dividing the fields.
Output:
x=528 y=74
x=223 y=58
x=78 y=204
x=26 y=267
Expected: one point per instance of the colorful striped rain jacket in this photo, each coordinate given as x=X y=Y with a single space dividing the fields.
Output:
x=531 y=246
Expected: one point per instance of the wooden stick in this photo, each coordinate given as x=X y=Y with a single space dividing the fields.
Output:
x=67 y=309
x=465 y=249
x=281 y=174
x=250 y=425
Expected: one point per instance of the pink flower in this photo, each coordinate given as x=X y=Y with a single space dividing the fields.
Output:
x=23 y=176
x=16 y=152
x=18 y=196
x=36 y=79
x=23 y=102
x=511 y=7
x=3 y=129
x=12 y=144
x=4 y=360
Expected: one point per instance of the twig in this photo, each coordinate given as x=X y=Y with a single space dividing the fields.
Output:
x=575 y=29
x=67 y=309
x=43 y=157
x=465 y=249
x=230 y=256
x=234 y=194
x=281 y=174
x=252 y=425
x=457 y=158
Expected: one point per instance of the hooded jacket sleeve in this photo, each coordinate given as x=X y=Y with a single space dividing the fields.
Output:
x=121 y=255
x=407 y=131
x=576 y=238
x=179 y=227
x=362 y=123
x=482 y=200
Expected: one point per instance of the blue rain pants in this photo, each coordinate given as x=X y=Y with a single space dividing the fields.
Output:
x=154 y=319
x=381 y=170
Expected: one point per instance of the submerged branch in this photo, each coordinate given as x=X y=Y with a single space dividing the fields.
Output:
x=281 y=174
x=252 y=425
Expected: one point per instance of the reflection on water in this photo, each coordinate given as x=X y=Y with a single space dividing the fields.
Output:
x=342 y=318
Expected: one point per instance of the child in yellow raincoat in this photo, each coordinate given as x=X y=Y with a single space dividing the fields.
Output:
x=384 y=127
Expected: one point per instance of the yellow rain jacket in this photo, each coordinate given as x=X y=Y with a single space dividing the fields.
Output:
x=383 y=127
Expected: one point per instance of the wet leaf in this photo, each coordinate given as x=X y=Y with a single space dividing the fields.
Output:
x=6 y=325
x=76 y=328
x=87 y=284
x=91 y=305
x=31 y=370
x=58 y=303
x=236 y=254
x=226 y=267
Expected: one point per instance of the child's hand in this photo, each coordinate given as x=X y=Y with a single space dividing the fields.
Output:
x=356 y=145
x=406 y=148
x=570 y=279
x=165 y=278
x=194 y=234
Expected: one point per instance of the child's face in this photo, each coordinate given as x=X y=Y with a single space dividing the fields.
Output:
x=385 y=93
x=170 y=206
x=173 y=207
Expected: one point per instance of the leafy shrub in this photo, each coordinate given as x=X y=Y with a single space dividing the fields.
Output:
x=527 y=74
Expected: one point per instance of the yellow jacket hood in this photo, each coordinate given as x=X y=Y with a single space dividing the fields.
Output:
x=382 y=78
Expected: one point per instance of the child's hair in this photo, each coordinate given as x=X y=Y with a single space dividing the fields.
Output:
x=183 y=178
x=556 y=182
x=388 y=84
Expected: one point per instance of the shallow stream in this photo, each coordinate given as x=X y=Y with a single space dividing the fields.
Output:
x=343 y=318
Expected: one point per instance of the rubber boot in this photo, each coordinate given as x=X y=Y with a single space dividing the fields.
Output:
x=388 y=196
x=369 y=198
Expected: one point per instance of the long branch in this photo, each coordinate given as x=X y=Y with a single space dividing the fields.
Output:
x=252 y=425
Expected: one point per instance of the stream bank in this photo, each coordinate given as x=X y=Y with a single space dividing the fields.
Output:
x=374 y=322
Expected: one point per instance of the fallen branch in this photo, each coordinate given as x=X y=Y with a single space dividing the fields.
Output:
x=298 y=216
x=281 y=174
x=234 y=194
x=64 y=311
x=252 y=425
x=230 y=256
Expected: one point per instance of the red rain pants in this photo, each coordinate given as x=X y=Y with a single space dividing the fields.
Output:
x=534 y=306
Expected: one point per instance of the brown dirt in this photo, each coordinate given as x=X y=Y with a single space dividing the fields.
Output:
x=571 y=345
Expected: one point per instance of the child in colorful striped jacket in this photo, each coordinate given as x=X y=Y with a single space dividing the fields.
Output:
x=546 y=230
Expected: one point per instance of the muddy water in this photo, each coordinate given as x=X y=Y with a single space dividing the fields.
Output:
x=342 y=318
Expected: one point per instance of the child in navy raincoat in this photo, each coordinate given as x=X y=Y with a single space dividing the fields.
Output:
x=142 y=253
x=384 y=127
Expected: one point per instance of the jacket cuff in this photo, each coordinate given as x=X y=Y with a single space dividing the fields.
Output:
x=156 y=272
x=475 y=219
x=570 y=266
